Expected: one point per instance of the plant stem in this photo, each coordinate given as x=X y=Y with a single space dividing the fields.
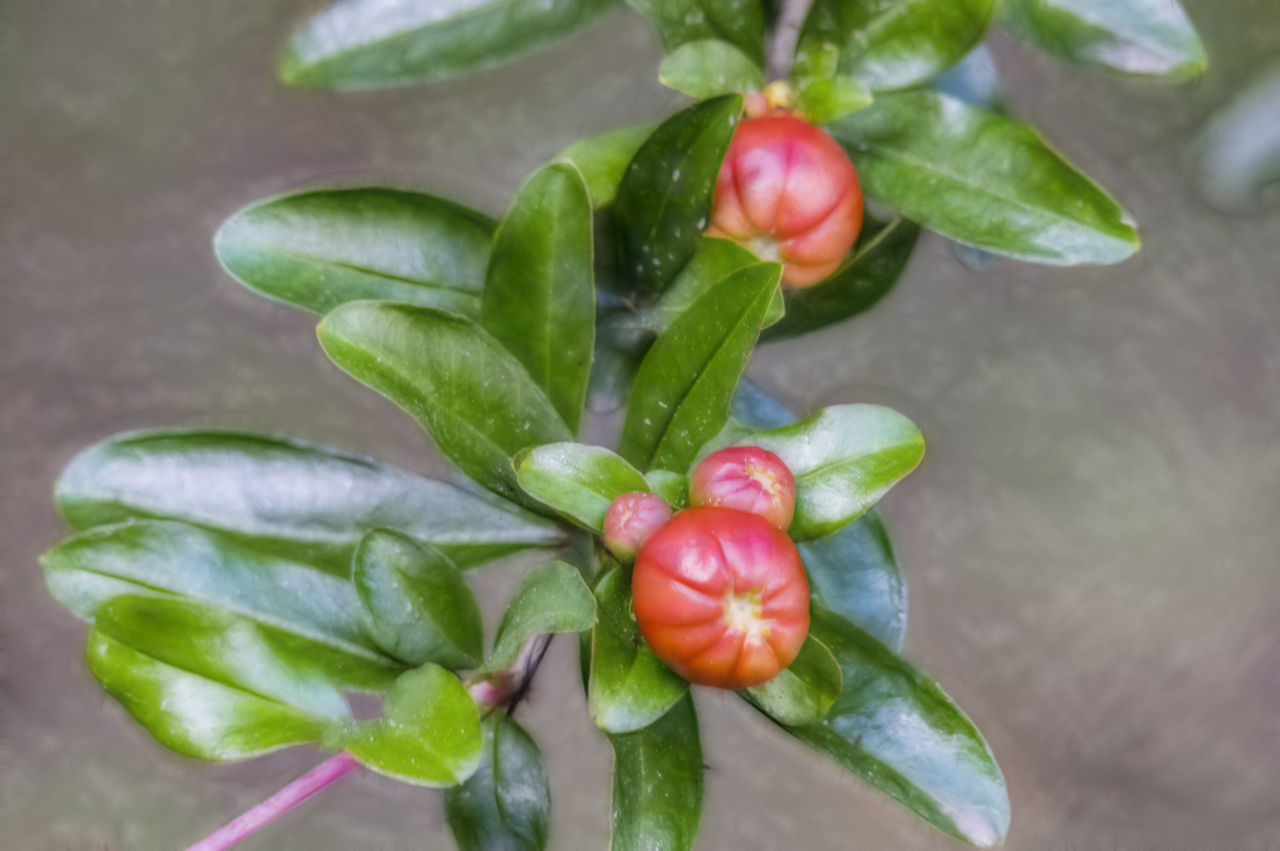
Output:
x=782 y=50
x=278 y=804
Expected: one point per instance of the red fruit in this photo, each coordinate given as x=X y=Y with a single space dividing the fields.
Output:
x=631 y=519
x=721 y=597
x=788 y=192
x=747 y=478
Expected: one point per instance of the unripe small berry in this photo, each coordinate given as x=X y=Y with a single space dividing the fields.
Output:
x=788 y=192
x=631 y=519
x=721 y=596
x=747 y=478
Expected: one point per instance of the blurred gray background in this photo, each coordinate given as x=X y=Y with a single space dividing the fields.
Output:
x=1092 y=544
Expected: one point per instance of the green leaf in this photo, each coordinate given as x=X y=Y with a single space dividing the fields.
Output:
x=657 y=783
x=878 y=260
x=739 y=22
x=664 y=201
x=506 y=804
x=755 y=409
x=604 y=158
x=472 y=395
x=805 y=691
x=416 y=606
x=824 y=101
x=629 y=687
x=680 y=398
x=554 y=598
x=164 y=558
x=1145 y=38
x=429 y=733
x=539 y=296
x=893 y=44
x=578 y=481
x=983 y=179
x=319 y=249
x=709 y=67
x=672 y=487
x=897 y=730
x=714 y=260
x=855 y=574
x=291 y=499
x=844 y=458
x=367 y=44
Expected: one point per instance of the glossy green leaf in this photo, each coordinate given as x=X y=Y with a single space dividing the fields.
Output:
x=893 y=44
x=877 y=262
x=319 y=249
x=367 y=44
x=1145 y=38
x=629 y=686
x=983 y=179
x=855 y=574
x=739 y=22
x=539 y=296
x=506 y=804
x=552 y=599
x=429 y=733
x=416 y=606
x=672 y=487
x=657 y=783
x=824 y=101
x=577 y=481
x=664 y=201
x=472 y=395
x=166 y=558
x=288 y=498
x=207 y=683
x=604 y=158
x=803 y=692
x=844 y=458
x=709 y=67
x=897 y=730
x=680 y=398
x=714 y=260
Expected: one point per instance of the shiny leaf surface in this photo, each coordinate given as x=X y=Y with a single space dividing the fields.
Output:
x=657 y=783
x=506 y=804
x=803 y=692
x=577 y=481
x=739 y=22
x=712 y=262
x=604 y=158
x=709 y=67
x=552 y=599
x=855 y=574
x=672 y=487
x=826 y=100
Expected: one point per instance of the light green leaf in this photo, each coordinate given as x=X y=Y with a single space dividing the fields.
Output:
x=680 y=398
x=984 y=180
x=322 y=248
x=474 y=398
x=855 y=574
x=629 y=687
x=295 y=500
x=803 y=692
x=368 y=44
x=506 y=804
x=709 y=67
x=604 y=158
x=739 y=22
x=578 y=481
x=657 y=783
x=824 y=101
x=539 y=296
x=672 y=487
x=552 y=599
x=429 y=733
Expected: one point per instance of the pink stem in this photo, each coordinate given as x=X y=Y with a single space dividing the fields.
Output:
x=278 y=804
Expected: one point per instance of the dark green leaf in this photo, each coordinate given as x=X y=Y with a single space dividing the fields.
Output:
x=897 y=730
x=1146 y=38
x=429 y=733
x=474 y=398
x=317 y=250
x=620 y=346
x=877 y=262
x=578 y=481
x=165 y=558
x=554 y=598
x=664 y=200
x=657 y=783
x=416 y=606
x=604 y=158
x=739 y=22
x=672 y=487
x=539 y=296
x=680 y=398
x=714 y=260
x=629 y=687
x=292 y=499
x=893 y=44
x=709 y=67
x=855 y=574
x=367 y=44
x=844 y=458
x=506 y=804
x=804 y=692
x=983 y=179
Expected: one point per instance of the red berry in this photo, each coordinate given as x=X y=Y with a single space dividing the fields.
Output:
x=631 y=519
x=788 y=192
x=747 y=478
x=721 y=596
